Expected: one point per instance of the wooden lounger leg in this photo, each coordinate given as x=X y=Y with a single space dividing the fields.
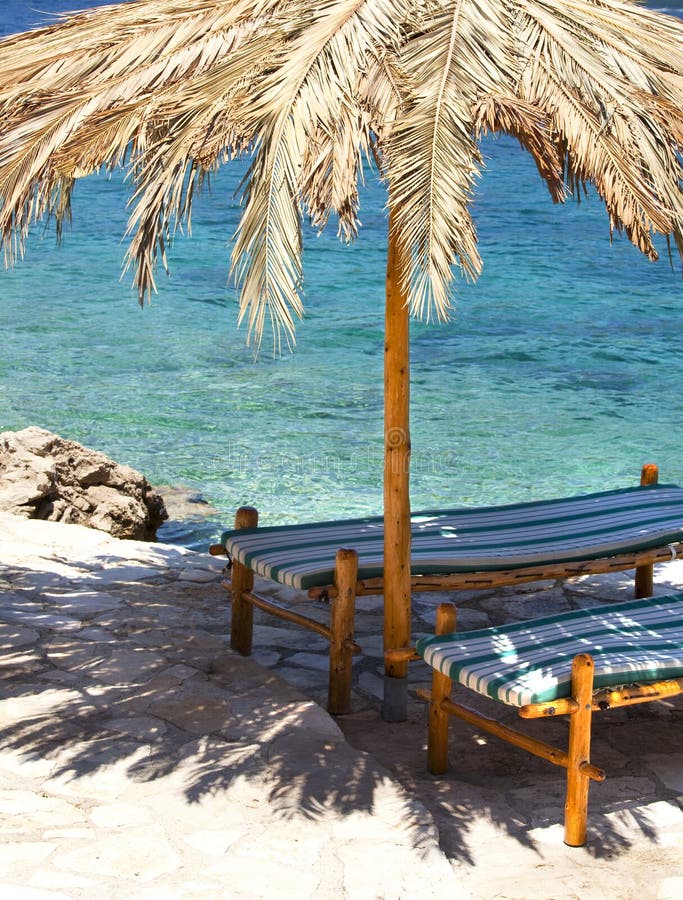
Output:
x=644 y=584
x=342 y=619
x=576 y=806
x=242 y=579
x=437 y=742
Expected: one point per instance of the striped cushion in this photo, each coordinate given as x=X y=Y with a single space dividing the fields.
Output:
x=469 y=540
x=530 y=662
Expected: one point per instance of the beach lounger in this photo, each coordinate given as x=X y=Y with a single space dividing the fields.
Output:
x=571 y=664
x=451 y=550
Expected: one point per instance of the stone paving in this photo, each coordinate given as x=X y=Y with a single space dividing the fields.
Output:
x=139 y=757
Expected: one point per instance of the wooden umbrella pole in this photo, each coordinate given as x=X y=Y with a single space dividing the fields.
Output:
x=396 y=482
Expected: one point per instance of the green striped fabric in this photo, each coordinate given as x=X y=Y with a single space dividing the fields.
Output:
x=530 y=662
x=471 y=540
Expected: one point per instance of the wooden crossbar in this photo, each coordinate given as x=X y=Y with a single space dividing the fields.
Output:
x=637 y=693
x=608 y=698
x=282 y=612
x=492 y=726
x=506 y=577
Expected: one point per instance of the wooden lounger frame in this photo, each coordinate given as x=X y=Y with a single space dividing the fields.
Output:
x=347 y=586
x=580 y=707
x=340 y=632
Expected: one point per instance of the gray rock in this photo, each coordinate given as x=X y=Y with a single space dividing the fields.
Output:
x=44 y=476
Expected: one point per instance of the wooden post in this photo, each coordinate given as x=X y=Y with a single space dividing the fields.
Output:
x=576 y=806
x=396 y=482
x=645 y=575
x=437 y=742
x=342 y=627
x=242 y=579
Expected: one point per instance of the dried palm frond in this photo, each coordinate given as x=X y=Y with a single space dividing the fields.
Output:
x=115 y=86
x=608 y=75
x=313 y=93
x=171 y=89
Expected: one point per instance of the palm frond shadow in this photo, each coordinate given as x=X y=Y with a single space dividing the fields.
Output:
x=135 y=679
x=520 y=795
x=139 y=694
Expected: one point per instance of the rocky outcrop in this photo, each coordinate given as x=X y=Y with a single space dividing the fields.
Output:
x=44 y=476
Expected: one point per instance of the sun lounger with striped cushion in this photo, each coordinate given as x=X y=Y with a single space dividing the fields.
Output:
x=573 y=664
x=451 y=550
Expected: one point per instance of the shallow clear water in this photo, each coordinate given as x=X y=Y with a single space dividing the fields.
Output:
x=560 y=372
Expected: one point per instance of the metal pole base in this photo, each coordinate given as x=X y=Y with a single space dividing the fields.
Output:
x=395 y=705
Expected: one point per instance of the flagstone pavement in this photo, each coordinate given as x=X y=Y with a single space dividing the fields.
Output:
x=141 y=758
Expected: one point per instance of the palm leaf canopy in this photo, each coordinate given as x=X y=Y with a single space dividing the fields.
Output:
x=171 y=89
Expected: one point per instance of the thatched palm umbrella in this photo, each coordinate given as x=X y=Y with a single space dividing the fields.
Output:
x=171 y=89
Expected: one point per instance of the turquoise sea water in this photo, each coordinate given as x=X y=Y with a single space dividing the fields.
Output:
x=560 y=372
